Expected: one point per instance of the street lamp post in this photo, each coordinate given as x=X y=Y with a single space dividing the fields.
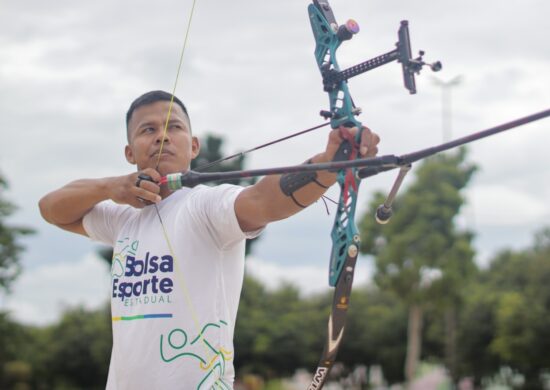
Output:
x=446 y=108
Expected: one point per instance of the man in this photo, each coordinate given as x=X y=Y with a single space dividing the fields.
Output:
x=178 y=259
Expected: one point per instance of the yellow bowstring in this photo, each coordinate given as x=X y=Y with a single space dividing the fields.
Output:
x=176 y=81
x=177 y=270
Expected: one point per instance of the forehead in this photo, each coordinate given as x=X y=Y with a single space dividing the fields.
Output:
x=156 y=112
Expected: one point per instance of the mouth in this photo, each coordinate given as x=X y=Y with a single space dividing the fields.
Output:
x=163 y=153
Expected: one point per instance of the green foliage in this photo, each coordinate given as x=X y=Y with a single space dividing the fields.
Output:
x=211 y=150
x=506 y=319
x=277 y=331
x=72 y=354
x=421 y=256
x=10 y=247
x=80 y=349
x=476 y=332
x=12 y=335
x=376 y=332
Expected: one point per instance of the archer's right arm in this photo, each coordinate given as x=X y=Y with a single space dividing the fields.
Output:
x=67 y=206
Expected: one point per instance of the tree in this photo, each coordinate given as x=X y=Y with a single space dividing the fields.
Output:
x=507 y=315
x=11 y=371
x=476 y=332
x=421 y=256
x=376 y=332
x=71 y=354
x=212 y=151
x=10 y=247
x=276 y=331
x=14 y=371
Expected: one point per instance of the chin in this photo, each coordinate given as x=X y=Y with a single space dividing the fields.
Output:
x=165 y=168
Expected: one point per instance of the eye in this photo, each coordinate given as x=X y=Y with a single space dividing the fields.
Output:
x=176 y=127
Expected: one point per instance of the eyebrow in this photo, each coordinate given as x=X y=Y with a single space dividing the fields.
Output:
x=146 y=124
x=153 y=123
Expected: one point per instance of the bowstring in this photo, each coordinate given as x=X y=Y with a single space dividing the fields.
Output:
x=179 y=274
x=176 y=81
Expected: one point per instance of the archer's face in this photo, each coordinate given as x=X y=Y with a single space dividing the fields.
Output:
x=146 y=132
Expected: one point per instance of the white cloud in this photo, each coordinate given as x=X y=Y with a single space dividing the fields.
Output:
x=41 y=294
x=498 y=205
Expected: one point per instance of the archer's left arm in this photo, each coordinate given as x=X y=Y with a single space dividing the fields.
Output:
x=265 y=201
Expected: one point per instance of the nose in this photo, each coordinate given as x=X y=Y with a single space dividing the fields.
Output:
x=162 y=136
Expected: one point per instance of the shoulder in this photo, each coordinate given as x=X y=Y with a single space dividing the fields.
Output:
x=219 y=189
x=203 y=199
x=112 y=209
x=105 y=220
x=227 y=192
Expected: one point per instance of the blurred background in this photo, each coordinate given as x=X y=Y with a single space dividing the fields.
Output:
x=464 y=262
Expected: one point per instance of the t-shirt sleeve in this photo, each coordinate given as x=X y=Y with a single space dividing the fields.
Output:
x=217 y=205
x=104 y=221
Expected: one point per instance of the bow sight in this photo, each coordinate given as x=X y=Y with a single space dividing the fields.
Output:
x=320 y=14
x=329 y=36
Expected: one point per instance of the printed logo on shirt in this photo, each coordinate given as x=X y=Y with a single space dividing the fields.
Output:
x=151 y=272
x=141 y=280
x=210 y=359
x=127 y=248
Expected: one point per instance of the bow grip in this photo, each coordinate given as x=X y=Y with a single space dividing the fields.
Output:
x=342 y=154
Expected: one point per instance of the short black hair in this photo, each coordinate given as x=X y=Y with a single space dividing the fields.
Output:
x=150 y=98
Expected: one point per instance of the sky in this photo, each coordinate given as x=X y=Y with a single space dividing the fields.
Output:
x=69 y=70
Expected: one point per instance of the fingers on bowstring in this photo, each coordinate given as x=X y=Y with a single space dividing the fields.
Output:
x=152 y=174
x=144 y=197
x=146 y=190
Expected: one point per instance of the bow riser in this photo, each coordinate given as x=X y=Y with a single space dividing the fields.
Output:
x=328 y=38
x=345 y=237
x=344 y=233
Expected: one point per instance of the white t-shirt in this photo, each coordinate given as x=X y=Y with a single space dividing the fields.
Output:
x=173 y=309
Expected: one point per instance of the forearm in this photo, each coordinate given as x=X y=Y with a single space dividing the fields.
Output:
x=70 y=203
x=299 y=190
x=266 y=202
x=270 y=200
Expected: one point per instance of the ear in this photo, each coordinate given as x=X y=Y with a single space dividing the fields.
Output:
x=129 y=153
x=195 y=147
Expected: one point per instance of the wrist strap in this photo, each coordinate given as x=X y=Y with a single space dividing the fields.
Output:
x=292 y=182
